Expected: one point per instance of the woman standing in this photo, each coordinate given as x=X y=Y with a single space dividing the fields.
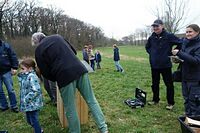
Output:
x=117 y=58
x=190 y=68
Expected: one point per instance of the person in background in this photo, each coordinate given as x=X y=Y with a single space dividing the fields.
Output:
x=117 y=58
x=30 y=93
x=190 y=69
x=98 y=59
x=58 y=62
x=8 y=67
x=51 y=88
x=159 y=46
x=91 y=57
x=85 y=54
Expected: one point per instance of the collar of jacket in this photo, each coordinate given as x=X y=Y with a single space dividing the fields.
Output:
x=197 y=38
x=25 y=74
x=193 y=40
x=159 y=35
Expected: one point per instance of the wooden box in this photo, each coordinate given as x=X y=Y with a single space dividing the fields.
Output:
x=82 y=109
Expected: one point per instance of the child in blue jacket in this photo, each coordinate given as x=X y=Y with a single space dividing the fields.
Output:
x=30 y=93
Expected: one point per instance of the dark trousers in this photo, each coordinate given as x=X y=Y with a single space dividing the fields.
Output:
x=50 y=87
x=191 y=95
x=98 y=65
x=32 y=119
x=92 y=64
x=167 y=78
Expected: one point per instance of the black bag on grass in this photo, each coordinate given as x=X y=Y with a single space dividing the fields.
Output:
x=139 y=101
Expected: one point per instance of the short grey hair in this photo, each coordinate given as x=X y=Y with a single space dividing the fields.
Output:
x=37 y=37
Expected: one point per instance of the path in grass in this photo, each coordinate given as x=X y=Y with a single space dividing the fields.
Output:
x=126 y=57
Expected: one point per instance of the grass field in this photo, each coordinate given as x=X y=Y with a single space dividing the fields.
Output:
x=111 y=89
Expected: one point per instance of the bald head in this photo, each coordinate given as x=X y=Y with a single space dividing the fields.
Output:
x=37 y=37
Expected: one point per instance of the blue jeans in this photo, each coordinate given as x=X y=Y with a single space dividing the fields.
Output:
x=32 y=119
x=7 y=80
x=118 y=66
x=68 y=97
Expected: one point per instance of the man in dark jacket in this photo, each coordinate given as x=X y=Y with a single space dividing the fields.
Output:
x=8 y=67
x=57 y=61
x=159 y=47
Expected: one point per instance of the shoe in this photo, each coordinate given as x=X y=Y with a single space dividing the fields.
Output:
x=152 y=103
x=4 y=109
x=122 y=70
x=169 y=107
x=16 y=110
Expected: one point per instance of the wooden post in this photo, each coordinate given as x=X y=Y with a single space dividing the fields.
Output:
x=82 y=109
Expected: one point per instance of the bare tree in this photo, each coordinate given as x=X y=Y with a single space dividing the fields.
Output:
x=10 y=17
x=173 y=13
x=4 y=7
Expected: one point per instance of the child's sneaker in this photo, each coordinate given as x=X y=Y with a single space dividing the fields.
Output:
x=169 y=107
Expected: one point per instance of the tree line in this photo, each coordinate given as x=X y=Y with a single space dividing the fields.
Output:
x=19 y=19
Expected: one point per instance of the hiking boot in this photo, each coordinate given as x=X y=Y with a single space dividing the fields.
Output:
x=169 y=107
x=152 y=103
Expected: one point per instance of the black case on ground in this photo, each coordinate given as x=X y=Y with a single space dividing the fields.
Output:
x=139 y=101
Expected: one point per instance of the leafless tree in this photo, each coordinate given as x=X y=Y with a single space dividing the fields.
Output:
x=4 y=7
x=173 y=13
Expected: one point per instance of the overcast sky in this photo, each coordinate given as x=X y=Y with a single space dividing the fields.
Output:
x=117 y=18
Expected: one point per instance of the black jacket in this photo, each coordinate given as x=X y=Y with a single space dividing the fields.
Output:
x=98 y=57
x=190 y=53
x=57 y=60
x=8 y=58
x=116 y=54
x=159 y=49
